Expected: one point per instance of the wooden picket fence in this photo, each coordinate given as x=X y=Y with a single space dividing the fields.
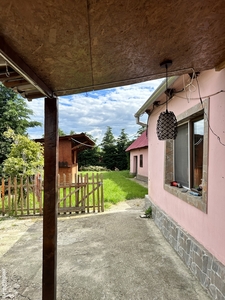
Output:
x=24 y=196
x=21 y=196
x=82 y=194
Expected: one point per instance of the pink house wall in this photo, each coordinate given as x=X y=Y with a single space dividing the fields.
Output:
x=207 y=228
x=141 y=171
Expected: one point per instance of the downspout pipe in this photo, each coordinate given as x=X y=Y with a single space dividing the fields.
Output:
x=140 y=123
x=157 y=93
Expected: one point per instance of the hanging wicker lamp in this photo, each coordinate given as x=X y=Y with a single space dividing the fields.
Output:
x=167 y=123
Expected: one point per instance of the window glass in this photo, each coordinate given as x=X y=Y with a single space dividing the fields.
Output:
x=141 y=160
x=198 y=138
x=189 y=153
x=181 y=156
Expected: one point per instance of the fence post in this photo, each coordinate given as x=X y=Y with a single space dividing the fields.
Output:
x=27 y=196
x=93 y=188
x=102 y=194
x=21 y=194
x=9 y=194
x=35 y=191
x=3 y=196
x=98 y=185
x=77 y=192
x=70 y=183
x=84 y=194
x=40 y=199
x=15 y=195
x=88 y=202
x=64 y=191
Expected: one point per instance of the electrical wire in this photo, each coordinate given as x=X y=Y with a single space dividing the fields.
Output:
x=198 y=142
x=160 y=104
x=180 y=91
x=216 y=135
x=167 y=98
x=207 y=118
x=199 y=91
x=133 y=135
x=187 y=87
x=82 y=143
x=204 y=97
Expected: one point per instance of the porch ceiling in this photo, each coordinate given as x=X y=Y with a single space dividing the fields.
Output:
x=72 y=46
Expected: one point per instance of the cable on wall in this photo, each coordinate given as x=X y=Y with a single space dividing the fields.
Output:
x=204 y=97
x=207 y=118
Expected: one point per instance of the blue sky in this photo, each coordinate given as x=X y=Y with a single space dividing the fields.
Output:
x=92 y=112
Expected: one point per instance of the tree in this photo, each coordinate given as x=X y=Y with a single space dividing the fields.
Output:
x=61 y=132
x=89 y=157
x=14 y=114
x=25 y=158
x=109 y=149
x=140 y=131
x=122 y=156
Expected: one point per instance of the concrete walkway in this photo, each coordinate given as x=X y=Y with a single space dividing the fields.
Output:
x=115 y=255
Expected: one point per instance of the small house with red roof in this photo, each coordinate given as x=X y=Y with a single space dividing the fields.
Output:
x=139 y=157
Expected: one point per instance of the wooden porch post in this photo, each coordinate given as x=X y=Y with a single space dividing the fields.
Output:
x=50 y=200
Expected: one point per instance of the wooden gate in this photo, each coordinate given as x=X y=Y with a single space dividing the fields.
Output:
x=83 y=193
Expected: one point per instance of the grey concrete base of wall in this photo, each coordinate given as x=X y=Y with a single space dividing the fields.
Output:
x=205 y=267
x=141 y=177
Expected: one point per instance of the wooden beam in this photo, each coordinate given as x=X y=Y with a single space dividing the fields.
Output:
x=22 y=68
x=13 y=75
x=14 y=83
x=50 y=200
x=30 y=96
x=27 y=88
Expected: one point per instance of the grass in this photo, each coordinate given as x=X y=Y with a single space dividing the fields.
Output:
x=118 y=187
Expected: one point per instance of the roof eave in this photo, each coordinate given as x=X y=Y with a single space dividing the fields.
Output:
x=157 y=93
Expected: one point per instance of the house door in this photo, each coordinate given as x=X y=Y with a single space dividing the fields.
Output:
x=135 y=164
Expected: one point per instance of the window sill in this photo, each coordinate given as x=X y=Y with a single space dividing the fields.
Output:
x=196 y=201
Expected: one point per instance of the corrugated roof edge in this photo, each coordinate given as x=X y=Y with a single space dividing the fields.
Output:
x=140 y=142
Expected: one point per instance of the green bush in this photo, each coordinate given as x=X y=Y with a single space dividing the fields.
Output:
x=93 y=168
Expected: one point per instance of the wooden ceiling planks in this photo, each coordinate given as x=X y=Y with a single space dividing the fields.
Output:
x=76 y=46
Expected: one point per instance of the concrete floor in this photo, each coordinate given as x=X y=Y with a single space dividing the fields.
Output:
x=113 y=255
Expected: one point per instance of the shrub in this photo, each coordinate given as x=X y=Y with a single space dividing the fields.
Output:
x=93 y=168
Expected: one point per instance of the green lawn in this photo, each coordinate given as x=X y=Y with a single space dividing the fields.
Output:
x=118 y=187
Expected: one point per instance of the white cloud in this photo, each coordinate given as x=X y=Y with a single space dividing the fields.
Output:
x=92 y=112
